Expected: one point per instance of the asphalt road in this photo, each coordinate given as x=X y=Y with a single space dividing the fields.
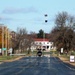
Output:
x=37 y=66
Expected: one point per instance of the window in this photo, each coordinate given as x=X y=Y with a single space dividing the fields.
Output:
x=43 y=42
x=47 y=42
x=40 y=43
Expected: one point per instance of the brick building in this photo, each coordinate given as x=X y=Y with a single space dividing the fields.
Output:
x=4 y=37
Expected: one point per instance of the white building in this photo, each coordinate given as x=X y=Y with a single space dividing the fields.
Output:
x=43 y=44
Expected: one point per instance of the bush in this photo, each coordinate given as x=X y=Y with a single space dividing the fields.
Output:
x=72 y=52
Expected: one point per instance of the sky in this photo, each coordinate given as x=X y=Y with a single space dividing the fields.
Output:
x=29 y=14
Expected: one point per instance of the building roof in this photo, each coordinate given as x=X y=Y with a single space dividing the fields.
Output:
x=40 y=39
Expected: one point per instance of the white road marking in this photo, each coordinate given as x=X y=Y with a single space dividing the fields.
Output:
x=47 y=55
x=49 y=63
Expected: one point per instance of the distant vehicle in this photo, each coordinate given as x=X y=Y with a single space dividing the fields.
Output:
x=43 y=49
x=39 y=53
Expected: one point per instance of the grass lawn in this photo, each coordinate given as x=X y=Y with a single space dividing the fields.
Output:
x=65 y=57
x=7 y=57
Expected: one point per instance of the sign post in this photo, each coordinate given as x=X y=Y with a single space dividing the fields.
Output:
x=62 y=50
x=4 y=49
x=72 y=58
x=0 y=51
x=10 y=51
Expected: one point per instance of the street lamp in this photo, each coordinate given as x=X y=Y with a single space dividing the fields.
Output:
x=45 y=15
x=46 y=18
x=46 y=21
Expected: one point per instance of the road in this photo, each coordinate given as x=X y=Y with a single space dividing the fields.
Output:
x=37 y=66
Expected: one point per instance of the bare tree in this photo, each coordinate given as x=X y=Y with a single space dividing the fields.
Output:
x=63 y=33
x=19 y=41
x=31 y=37
x=61 y=19
x=23 y=40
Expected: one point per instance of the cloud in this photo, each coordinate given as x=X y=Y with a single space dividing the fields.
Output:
x=5 y=19
x=19 y=10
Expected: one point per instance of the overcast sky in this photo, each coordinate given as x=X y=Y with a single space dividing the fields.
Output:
x=29 y=14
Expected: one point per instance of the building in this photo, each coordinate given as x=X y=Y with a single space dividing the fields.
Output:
x=13 y=35
x=4 y=38
x=43 y=44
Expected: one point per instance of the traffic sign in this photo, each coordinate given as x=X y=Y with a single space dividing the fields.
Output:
x=61 y=50
x=4 y=49
x=72 y=58
x=0 y=50
x=10 y=50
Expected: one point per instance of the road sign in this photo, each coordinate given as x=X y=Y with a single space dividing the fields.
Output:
x=72 y=58
x=4 y=49
x=0 y=50
x=10 y=50
x=61 y=50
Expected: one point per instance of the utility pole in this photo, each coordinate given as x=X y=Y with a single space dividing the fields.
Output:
x=43 y=36
x=2 y=40
x=6 y=39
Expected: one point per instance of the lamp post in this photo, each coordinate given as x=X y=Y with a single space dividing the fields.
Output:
x=46 y=20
